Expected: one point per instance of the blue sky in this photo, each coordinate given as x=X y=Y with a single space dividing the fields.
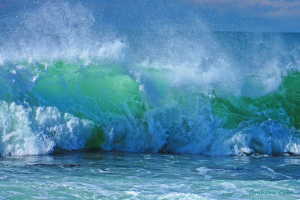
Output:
x=218 y=15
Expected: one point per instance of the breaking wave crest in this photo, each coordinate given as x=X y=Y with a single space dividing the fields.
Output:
x=68 y=83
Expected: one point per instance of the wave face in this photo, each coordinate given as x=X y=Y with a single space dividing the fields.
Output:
x=69 y=80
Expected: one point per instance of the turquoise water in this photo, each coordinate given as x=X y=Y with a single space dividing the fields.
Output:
x=103 y=104
x=166 y=111
x=121 y=175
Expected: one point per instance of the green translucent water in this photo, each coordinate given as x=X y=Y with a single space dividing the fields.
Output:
x=282 y=106
x=147 y=112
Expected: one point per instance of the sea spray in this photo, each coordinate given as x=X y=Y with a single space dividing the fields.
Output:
x=70 y=81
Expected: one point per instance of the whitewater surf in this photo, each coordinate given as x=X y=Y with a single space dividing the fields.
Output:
x=145 y=100
x=67 y=85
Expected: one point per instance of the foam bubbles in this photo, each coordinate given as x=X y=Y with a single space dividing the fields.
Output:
x=27 y=131
x=269 y=137
x=18 y=136
x=67 y=131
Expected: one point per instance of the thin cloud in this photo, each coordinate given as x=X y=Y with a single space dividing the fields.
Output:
x=260 y=7
x=291 y=1
x=263 y=8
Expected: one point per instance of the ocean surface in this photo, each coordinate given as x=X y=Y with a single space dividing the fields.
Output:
x=167 y=110
x=123 y=175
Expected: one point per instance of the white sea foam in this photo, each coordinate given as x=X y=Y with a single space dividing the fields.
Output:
x=203 y=172
x=27 y=131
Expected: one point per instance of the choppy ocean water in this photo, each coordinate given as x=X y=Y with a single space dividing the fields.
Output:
x=172 y=109
x=123 y=175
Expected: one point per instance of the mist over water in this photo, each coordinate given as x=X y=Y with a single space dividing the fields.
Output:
x=73 y=76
